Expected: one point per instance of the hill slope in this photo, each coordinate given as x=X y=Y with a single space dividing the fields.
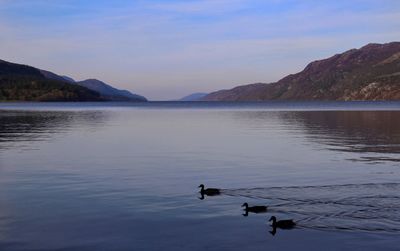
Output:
x=25 y=83
x=53 y=76
x=110 y=92
x=194 y=96
x=369 y=73
x=106 y=91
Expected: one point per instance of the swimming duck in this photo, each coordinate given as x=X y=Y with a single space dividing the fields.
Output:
x=209 y=191
x=253 y=209
x=284 y=224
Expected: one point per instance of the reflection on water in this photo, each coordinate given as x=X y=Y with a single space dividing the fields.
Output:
x=18 y=128
x=373 y=135
x=349 y=131
x=121 y=178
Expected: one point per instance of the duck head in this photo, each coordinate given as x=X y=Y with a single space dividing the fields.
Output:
x=245 y=205
x=273 y=219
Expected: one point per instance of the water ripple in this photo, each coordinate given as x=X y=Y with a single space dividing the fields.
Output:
x=356 y=207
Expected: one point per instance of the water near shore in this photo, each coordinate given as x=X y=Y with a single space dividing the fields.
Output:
x=123 y=176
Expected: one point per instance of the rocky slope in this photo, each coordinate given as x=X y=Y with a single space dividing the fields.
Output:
x=369 y=73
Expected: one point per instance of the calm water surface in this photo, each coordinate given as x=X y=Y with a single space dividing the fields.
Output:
x=120 y=176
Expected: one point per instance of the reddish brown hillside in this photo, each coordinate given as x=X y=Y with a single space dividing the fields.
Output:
x=369 y=73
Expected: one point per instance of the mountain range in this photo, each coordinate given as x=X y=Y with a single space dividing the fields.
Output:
x=26 y=83
x=369 y=73
x=194 y=96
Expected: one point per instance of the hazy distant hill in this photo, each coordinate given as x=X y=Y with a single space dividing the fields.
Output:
x=110 y=92
x=106 y=91
x=194 y=96
x=369 y=73
x=25 y=83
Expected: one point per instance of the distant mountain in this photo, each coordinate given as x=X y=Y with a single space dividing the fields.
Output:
x=369 y=73
x=106 y=91
x=25 y=83
x=110 y=92
x=194 y=96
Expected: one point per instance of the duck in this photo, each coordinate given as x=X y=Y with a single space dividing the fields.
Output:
x=253 y=209
x=209 y=191
x=283 y=224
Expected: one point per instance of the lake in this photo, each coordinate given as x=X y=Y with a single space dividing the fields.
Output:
x=125 y=176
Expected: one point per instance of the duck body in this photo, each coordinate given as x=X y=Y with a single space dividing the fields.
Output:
x=209 y=191
x=254 y=209
x=283 y=224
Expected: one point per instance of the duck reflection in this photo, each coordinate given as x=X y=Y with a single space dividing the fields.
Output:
x=208 y=192
x=282 y=224
x=253 y=209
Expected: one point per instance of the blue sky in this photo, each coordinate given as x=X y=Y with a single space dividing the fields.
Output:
x=167 y=49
